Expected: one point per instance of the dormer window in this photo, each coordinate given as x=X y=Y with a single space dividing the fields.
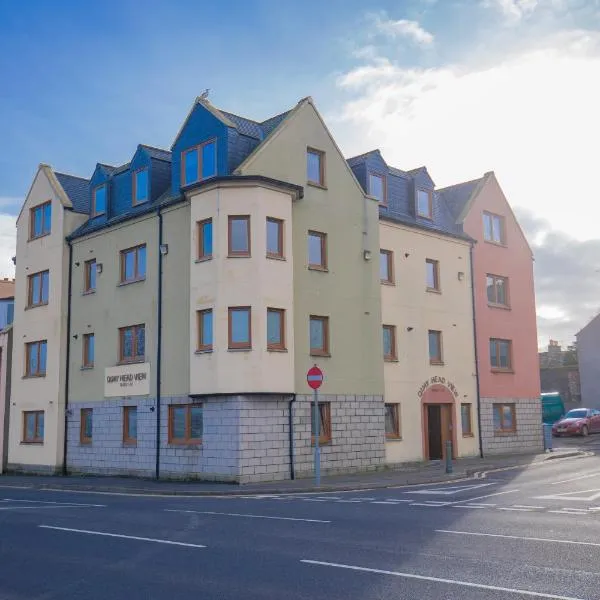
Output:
x=424 y=204
x=199 y=162
x=377 y=187
x=140 y=186
x=99 y=200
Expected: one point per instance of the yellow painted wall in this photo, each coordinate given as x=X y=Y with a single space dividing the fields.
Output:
x=349 y=292
x=255 y=281
x=408 y=304
x=44 y=322
x=113 y=305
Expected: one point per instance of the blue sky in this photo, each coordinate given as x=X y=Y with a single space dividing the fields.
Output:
x=462 y=86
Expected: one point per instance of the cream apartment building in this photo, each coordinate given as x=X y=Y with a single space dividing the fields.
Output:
x=168 y=309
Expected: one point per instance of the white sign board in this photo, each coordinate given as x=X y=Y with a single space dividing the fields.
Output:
x=127 y=380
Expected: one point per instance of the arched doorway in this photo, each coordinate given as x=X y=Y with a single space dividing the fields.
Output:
x=438 y=421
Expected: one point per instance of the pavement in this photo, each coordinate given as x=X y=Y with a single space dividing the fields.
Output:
x=529 y=532
x=414 y=474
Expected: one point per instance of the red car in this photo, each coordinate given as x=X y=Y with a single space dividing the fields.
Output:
x=579 y=421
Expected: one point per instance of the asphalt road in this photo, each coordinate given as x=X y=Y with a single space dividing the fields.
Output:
x=527 y=533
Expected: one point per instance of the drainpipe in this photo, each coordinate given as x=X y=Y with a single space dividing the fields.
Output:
x=476 y=354
x=68 y=356
x=291 y=432
x=159 y=340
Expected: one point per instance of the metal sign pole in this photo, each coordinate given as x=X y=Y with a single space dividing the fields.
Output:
x=317 y=419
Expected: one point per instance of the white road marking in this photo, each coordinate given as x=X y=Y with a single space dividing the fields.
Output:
x=518 y=537
x=482 y=504
x=313 y=499
x=16 y=487
x=470 y=500
x=348 y=501
x=457 y=582
x=120 y=535
x=224 y=514
x=397 y=500
x=573 y=496
x=42 y=507
x=470 y=506
x=586 y=476
x=384 y=502
x=514 y=509
x=450 y=491
x=528 y=506
x=424 y=504
x=570 y=511
x=51 y=502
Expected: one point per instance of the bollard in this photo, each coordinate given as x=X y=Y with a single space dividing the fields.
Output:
x=448 y=456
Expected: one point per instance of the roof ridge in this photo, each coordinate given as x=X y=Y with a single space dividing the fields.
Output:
x=238 y=116
x=283 y=112
x=364 y=154
x=70 y=175
x=155 y=148
x=460 y=183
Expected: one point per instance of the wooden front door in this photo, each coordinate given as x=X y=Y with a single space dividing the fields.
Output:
x=434 y=432
x=447 y=426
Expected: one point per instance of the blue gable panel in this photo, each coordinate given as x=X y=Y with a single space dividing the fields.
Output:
x=239 y=148
x=140 y=159
x=398 y=196
x=120 y=194
x=360 y=172
x=100 y=175
x=201 y=126
x=160 y=178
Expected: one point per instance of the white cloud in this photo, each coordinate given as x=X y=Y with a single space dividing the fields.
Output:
x=402 y=28
x=8 y=242
x=514 y=10
x=531 y=118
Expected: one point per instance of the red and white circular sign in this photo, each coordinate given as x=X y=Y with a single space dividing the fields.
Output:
x=314 y=377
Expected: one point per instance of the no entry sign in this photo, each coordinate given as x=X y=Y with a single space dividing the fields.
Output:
x=314 y=377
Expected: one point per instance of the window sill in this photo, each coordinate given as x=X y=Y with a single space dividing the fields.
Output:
x=386 y=282
x=393 y=438
x=317 y=185
x=493 y=243
x=505 y=433
x=189 y=445
x=204 y=351
x=244 y=255
x=31 y=306
x=433 y=290
x=283 y=350
x=500 y=306
x=87 y=368
x=88 y=292
x=500 y=371
x=130 y=444
x=320 y=354
x=33 y=376
x=204 y=259
x=24 y=443
x=426 y=217
x=318 y=268
x=136 y=361
x=437 y=363
x=468 y=435
x=390 y=360
x=130 y=281
x=37 y=237
x=85 y=444
x=276 y=257
x=239 y=349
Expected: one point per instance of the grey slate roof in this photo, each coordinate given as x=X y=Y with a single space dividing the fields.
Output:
x=157 y=153
x=77 y=189
x=457 y=196
x=254 y=129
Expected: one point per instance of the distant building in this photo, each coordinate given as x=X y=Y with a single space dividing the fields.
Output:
x=588 y=352
x=7 y=302
x=559 y=372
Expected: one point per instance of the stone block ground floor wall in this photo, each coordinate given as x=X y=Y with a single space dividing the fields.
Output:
x=244 y=438
x=528 y=434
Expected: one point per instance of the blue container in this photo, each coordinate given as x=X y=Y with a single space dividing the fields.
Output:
x=547 y=436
